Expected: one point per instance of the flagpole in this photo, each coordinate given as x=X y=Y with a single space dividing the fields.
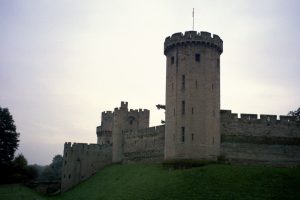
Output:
x=193 y=18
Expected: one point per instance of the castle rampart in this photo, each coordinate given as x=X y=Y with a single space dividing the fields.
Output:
x=144 y=145
x=124 y=119
x=266 y=140
x=195 y=127
x=81 y=160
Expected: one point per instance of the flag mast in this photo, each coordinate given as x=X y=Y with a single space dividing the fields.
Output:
x=193 y=18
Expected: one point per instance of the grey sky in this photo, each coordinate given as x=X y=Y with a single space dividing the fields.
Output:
x=62 y=62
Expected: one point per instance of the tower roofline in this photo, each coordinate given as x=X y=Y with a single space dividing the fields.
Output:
x=202 y=38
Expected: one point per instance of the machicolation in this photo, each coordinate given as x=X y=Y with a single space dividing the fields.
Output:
x=207 y=132
x=192 y=37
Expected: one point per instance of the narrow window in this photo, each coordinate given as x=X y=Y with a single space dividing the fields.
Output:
x=183 y=82
x=197 y=57
x=172 y=60
x=183 y=107
x=174 y=112
x=212 y=86
x=69 y=176
x=192 y=136
x=130 y=122
x=182 y=134
x=196 y=83
x=192 y=110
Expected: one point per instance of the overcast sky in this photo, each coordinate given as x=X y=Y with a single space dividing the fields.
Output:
x=63 y=62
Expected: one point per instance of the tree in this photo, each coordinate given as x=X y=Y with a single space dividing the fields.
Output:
x=295 y=114
x=8 y=137
x=19 y=169
x=53 y=171
x=56 y=165
x=20 y=164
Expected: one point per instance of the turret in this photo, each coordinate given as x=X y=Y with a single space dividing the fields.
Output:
x=126 y=120
x=192 y=95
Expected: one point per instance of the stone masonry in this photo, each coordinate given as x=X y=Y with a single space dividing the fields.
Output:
x=195 y=126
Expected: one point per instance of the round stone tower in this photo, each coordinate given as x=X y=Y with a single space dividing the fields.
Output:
x=192 y=96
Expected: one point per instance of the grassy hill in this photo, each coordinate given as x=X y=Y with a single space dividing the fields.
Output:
x=139 y=181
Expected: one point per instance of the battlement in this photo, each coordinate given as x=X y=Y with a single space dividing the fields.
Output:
x=124 y=106
x=194 y=37
x=84 y=147
x=140 y=111
x=146 y=132
x=227 y=115
x=107 y=113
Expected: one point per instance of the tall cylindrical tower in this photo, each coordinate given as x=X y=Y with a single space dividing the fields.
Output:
x=192 y=95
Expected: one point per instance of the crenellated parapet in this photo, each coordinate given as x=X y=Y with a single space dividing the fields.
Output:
x=227 y=115
x=193 y=37
x=84 y=147
x=264 y=126
x=124 y=106
x=139 y=111
x=146 y=132
x=144 y=145
x=81 y=160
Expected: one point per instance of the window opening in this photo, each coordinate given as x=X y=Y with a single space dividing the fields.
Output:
x=197 y=57
x=172 y=60
x=182 y=133
x=183 y=107
x=183 y=82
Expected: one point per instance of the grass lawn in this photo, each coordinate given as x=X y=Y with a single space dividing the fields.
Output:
x=138 y=181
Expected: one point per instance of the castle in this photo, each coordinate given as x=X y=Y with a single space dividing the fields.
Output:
x=195 y=126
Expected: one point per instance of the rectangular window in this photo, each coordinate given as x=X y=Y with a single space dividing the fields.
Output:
x=182 y=134
x=192 y=136
x=183 y=82
x=172 y=60
x=197 y=57
x=196 y=83
x=192 y=110
x=183 y=107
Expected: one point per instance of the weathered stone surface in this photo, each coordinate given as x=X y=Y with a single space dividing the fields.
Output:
x=192 y=96
x=125 y=136
x=81 y=160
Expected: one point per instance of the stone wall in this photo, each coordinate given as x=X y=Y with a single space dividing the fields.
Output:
x=104 y=131
x=264 y=140
x=80 y=161
x=144 y=145
x=192 y=95
x=124 y=119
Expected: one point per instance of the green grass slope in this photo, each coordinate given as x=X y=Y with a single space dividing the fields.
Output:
x=139 y=181
x=16 y=192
